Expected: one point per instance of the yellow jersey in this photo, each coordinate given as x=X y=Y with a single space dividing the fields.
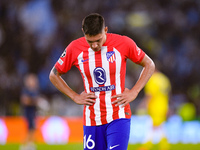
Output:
x=158 y=88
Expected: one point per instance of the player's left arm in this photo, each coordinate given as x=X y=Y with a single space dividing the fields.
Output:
x=129 y=95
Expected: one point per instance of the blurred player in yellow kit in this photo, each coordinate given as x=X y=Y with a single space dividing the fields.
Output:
x=157 y=92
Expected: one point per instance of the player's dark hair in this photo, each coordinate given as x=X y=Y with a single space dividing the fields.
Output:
x=93 y=24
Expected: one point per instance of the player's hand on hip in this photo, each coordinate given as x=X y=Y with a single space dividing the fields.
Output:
x=124 y=98
x=85 y=98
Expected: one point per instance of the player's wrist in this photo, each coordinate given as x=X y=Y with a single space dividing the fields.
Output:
x=74 y=96
x=135 y=91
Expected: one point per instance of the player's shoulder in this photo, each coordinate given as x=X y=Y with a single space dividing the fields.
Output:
x=78 y=45
x=119 y=38
x=114 y=36
x=79 y=41
x=163 y=77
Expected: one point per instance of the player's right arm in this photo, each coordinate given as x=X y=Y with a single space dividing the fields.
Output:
x=82 y=99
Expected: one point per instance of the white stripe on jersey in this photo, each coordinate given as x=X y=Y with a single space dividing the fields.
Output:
x=118 y=80
x=105 y=65
x=87 y=111
x=92 y=66
x=80 y=58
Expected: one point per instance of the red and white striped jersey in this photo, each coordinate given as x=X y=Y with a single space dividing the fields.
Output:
x=103 y=73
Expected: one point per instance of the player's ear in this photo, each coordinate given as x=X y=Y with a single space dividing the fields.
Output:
x=106 y=29
x=83 y=31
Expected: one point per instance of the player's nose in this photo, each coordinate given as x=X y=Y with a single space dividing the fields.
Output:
x=94 y=45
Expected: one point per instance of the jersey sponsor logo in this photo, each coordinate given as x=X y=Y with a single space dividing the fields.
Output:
x=99 y=75
x=111 y=147
x=111 y=56
x=104 y=88
x=100 y=79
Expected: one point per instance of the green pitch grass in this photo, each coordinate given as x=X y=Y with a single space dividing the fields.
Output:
x=80 y=147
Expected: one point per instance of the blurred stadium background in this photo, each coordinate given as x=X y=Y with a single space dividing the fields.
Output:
x=34 y=33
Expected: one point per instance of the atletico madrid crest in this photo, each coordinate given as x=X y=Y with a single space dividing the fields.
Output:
x=111 y=56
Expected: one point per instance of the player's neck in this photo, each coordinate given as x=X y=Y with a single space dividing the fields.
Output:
x=105 y=39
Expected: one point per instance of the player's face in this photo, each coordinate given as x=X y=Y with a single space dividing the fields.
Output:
x=97 y=41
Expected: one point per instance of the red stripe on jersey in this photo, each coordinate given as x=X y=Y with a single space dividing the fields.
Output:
x=128 y=111
x=102 y=93
x=88 y=75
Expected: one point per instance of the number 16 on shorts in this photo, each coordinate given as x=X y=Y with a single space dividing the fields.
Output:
x=88 y=142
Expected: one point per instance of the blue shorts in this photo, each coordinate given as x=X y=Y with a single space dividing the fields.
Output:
x=111 y=136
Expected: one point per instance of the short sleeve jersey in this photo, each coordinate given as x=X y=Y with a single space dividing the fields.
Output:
x=103 y=73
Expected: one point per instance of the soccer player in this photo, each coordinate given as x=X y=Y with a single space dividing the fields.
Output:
x=101 y=59
x=29 y=99
x=157 y=93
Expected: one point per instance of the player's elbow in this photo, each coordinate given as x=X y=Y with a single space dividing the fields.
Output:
x=51 y=76
x=148 y=63
x=152 y=65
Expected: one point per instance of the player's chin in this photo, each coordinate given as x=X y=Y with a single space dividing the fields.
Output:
x=96 y=49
